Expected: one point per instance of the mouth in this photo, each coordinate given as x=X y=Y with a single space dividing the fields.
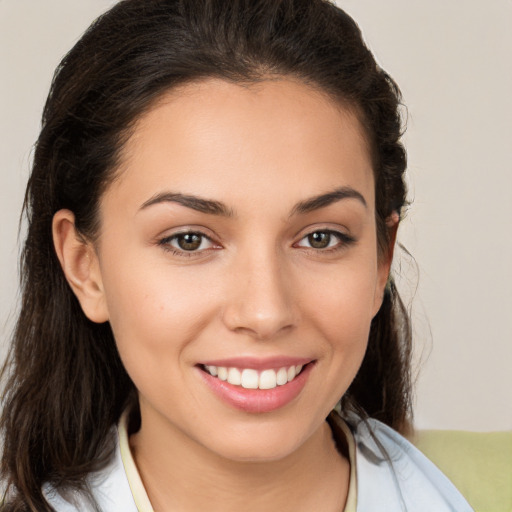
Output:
x=250 y=378
x=259 y=388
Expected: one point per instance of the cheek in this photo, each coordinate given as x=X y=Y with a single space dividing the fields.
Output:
x=344 y=321
x=340 y=308
x=342 y=302
x=154 y=314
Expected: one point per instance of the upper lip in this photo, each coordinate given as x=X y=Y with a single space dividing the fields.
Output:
x=258 y=363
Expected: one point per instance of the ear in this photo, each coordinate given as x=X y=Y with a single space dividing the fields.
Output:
x=386 y=259
x=80 y=265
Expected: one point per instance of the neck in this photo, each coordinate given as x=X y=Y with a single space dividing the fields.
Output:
x=179 y=474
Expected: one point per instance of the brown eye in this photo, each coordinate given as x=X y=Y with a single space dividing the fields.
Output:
x=189 y=241
x=326 y=240
x=319 y=239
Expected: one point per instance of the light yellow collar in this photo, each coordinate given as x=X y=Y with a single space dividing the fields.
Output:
x=351 y=504
x=140 y=495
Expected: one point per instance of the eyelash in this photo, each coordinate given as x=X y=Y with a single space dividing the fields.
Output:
x=344 y=241
x=165 y=243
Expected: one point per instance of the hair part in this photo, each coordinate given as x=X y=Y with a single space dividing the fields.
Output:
x=66 y=385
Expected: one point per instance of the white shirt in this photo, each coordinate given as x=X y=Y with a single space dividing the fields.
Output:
x=388 y=474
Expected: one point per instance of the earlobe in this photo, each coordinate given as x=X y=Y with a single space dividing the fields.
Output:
x=80 y=265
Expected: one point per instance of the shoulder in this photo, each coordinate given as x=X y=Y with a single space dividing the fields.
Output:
x=393 y=475
x=108 y=488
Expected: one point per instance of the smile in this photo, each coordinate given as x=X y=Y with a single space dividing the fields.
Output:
x=249 y=378
x=257 y=385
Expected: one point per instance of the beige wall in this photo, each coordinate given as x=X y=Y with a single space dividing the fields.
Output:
x=452 y=60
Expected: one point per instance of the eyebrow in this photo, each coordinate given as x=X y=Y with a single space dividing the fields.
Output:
x=196 y=203
x=212 y=207
x=323 y=200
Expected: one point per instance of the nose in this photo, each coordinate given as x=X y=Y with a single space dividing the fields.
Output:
x=260 y=301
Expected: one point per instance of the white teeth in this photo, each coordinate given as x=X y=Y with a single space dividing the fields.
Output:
x=268 y=379
x=234 y=376
x=249 y=378
x=222 y=373
x=282 y=376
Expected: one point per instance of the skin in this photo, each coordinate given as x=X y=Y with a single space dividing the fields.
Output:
x=256 y=288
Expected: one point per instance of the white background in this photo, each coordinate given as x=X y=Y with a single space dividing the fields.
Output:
x=452 y=59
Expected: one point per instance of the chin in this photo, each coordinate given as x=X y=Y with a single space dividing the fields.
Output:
x=269 y=442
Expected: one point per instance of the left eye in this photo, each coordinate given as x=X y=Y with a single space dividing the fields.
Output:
x=188 y=242
x=321 y=240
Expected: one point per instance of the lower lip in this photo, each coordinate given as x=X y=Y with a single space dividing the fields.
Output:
x=257 y=400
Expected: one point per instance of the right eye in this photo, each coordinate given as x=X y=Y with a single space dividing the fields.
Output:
x=186 y=242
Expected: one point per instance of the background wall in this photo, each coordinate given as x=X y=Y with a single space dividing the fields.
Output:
x=452 y=60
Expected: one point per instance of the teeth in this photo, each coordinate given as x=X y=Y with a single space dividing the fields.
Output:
x=234 y=377
x=282 y=376
x=212 y=370
x=268 y=379
x=222 y=373
x=249 y=378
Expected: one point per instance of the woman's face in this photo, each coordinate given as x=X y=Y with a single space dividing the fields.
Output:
x=239 y=243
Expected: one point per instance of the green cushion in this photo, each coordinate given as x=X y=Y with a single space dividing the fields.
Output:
x=479 y=464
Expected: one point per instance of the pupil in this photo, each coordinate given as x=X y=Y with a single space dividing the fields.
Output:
x=189 y=241
x=319 y=240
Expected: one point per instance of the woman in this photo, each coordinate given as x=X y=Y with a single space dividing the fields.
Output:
x=212 y=214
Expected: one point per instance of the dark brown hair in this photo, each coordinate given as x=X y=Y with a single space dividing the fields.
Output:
x=65 y=384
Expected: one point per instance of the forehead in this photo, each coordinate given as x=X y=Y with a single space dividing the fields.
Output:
x=279 y=138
